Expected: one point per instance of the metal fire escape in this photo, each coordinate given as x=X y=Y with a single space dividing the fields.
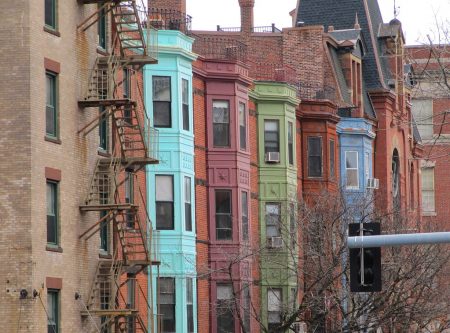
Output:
x=106 y=306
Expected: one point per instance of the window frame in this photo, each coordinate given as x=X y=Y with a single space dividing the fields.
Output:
x=268 y=149
x=244 y=216
x=53 y=311
x=190 y=304
x=103 y=130
x=277 y=224
x=332 y=148
x=104 y=233
x=53 y=107
x=167 y=102
x=290 y=143
x=228 y=214
x=311 y=174
x=242 y=126
x=347 y=169
x=172 y=203
x=224 y=308
x=172 y=305
x=185 y=105
x=279 y=298
x=54 y=15
x=101 y=29
x=431 y=190
x=188 y=203
x=55 y=198
x=216 y=144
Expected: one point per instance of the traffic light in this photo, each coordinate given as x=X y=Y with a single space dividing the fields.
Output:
x=365 y=263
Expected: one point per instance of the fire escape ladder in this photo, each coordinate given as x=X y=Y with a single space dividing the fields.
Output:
x=129 y=28
x=132 y=238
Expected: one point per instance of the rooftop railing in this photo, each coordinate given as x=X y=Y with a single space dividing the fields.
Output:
x=169 y=19
x=219 y=48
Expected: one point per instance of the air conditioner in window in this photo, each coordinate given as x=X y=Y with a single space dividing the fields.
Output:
x=272 y=157
x=373 y=183
x=299 y=327
x=275 y=242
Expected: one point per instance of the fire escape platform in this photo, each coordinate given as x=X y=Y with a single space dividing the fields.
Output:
x=139 y=161
x=122 y=206
x=110 y=313
x=105 y=102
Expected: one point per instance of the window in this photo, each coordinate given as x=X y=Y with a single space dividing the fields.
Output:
x=422 y=110
x=292 y=225
x=332 y=160
x=274 y=305
x=293 y=299
x=162 y=113
x=187 y=204
x=428 y=203
x=221 y=123
x=190 y=304
x=271 y=137
x=244 y=212
x=367 y=166
x=246 y=306
x=164 y=202
x=224 y=230
x=104 y=233
x=351 y=170
x=103 y=130
x=314 y=156
x=129 y=196
x=242 y=127
x=51 y=111
x=224 y=308
x=131 y=302
x=52 y=213
x=50 y=14
x=273 y=219
x=291 y=143
x=167 y=303
x=185 y=102
x=53 y=310
x=127 y=95
x=102 y=28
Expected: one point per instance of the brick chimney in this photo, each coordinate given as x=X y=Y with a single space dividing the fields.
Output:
x=178 y=5
x=246 y=15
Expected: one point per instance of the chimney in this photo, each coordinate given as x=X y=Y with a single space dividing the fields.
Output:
x=177 y=5
x=246 y=15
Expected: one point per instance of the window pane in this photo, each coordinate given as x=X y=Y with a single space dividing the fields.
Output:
x=185 y=91
x=272 y=220
x=221 y=123
x=164 y=188
x=161 y=88
x=422 y=110
x=314 y=156
x=290 y=143
x=186 y=125
x=332 y=159
x=52 y=310
x=351 y=160
x=428 y=194
x=223 y=201
x=351 y=165
x=50 y=110
x=164 y=216
x=274 y=300
x=162 y=114
x=187 y=189
x=271 y=136
x=167 y=303
x=50 y=17
x=244 y=209
x=242 y=126
x=52 y=222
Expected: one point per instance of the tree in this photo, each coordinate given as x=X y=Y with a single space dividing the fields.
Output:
x=410 y=299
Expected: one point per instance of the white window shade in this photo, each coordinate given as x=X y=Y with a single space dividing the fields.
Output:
x=428 y=195
x=423 y=114
x=164 y=188
x=224 y=292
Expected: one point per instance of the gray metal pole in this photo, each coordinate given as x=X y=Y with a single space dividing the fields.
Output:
x=398 y=240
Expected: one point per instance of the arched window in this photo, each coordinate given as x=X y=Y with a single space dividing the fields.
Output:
x=396 y=180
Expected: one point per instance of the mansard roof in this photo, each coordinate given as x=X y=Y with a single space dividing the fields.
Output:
x=341 y=15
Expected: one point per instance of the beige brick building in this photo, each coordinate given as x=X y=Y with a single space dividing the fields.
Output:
x=48 y=165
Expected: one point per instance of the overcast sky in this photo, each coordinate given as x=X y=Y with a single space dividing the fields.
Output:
x=417 y=16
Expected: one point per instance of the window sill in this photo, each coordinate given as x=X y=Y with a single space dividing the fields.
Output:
x=103 y=153
x=429 y=214
x=52 y=139
x=102 y=51
x=104 y=255
x=54 y=248
x=52 y=31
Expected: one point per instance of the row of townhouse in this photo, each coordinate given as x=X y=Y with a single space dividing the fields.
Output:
x=172 y=165
x=254 y=120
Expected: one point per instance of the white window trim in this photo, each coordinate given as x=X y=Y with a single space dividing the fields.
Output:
x=357 y=170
